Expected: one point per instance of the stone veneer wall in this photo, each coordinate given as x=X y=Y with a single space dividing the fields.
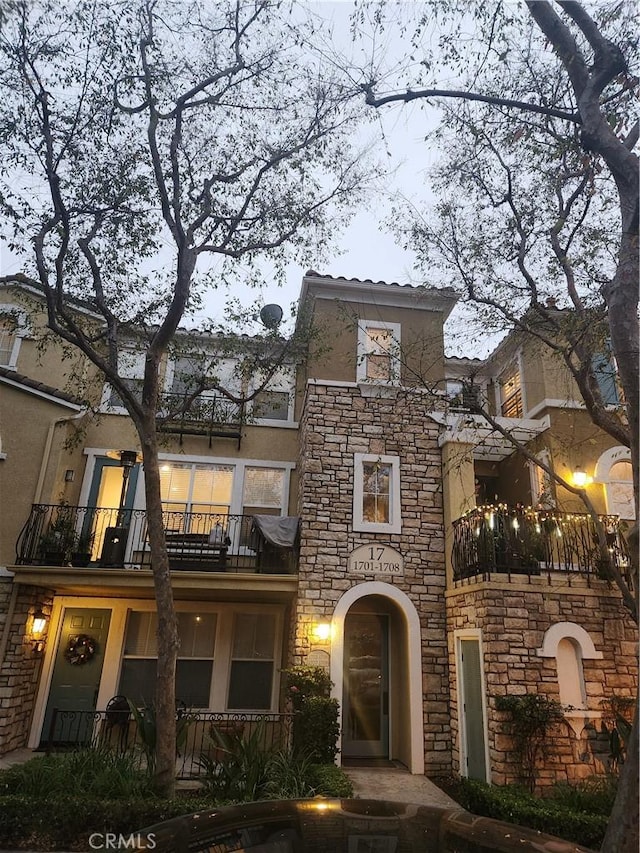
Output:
x=513 y=619
x=19 y=667
x=336 y=423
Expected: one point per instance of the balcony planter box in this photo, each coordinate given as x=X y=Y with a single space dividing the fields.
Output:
x=80 y=559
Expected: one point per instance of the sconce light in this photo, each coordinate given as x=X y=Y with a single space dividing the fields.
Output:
x=38 y=627
x=580 y=478
x=321 y=632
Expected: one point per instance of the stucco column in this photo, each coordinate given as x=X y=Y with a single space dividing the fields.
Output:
x=458 y=491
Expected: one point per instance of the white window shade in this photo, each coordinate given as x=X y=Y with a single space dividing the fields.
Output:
x=263 y=487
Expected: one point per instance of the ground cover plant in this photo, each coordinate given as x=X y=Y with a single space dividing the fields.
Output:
x=56 y=802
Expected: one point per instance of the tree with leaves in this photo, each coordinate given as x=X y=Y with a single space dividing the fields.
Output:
x=138 y=140
x=542 y=123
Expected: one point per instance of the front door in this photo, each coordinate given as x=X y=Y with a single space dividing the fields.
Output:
x=76 y=677
x=366 y=686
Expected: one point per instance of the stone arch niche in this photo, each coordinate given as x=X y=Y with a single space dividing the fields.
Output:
x=406 y=737
x=570 y=644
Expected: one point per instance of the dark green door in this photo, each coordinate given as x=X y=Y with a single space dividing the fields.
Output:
x=74 y=686
x=472 y=711
x=366 y=687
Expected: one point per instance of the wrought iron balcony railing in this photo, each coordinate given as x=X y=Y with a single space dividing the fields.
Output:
x=80 y=536
x=525 y=541
x=206 y=414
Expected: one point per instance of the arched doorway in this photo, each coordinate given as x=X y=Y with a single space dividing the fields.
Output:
x=377 y=675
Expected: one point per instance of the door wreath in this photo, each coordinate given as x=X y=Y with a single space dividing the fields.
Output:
x=80 y=650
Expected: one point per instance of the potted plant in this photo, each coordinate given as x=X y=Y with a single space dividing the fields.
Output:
x=58 y=540
x=82 y=548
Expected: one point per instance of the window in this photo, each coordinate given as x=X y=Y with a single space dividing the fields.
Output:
x=511 y=405
x=195 y=658
x=378 y=352
x=12 y=330
x=376 y=493
x=252 y=661
x=615 y=472
x=275 y=401
x=606 y=375
x=262 y=494
x=542 y=491
x=462 y=395
x=187 y=373
x=191 y=492
x=131 y=371
x=271 y=405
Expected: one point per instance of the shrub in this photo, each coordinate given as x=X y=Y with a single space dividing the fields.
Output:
x=328 y=780
x=315 y=724
x=514 y=804
x=592 y=796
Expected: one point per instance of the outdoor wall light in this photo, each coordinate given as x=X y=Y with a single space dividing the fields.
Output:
x=580 y=478
x=38 y=627
x=321 y=631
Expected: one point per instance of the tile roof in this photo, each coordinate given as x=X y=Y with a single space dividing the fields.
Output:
x=20 y=379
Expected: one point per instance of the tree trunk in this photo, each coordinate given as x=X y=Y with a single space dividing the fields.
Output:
x=168 y=642
x=622 y=829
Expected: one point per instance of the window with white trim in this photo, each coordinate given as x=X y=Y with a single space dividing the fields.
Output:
x=376 y=493
x=615 y=472
x=252 y=662
x=378 y=352
x=510 y=384
x=131 y=371
x=12 y=330
x=262 y=494
x=195 y=658
x=542 y=491
x=275 y=401
x=191 y=492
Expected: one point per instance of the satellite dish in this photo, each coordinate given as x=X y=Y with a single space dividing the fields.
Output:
x=271 y=315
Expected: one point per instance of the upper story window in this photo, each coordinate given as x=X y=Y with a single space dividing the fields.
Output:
x=463 y=395
x=187 y=379
x=376 y=493
x=131 y=371
x=615 y=472
x=196 y=488
x=606 y=375
x=542 y=486
x=378 y=352
x=511 y=404
x=275 y=401
x=12 y=330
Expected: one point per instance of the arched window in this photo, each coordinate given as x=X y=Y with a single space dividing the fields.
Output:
x=614 y=471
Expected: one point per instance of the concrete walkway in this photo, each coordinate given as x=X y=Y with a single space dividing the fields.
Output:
x=385 y=783
x=18 y=756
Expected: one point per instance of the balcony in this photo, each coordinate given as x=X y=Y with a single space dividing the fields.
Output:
x=81 y=537
x=519 y=541
x=206 y=414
